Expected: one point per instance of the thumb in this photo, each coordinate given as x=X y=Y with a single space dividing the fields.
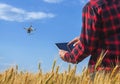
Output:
x=76 y=43
x=73 y=41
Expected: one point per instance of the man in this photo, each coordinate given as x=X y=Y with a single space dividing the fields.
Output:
x=100 y=31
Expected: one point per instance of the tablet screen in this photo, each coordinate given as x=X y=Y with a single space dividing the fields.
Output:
x=65 y=46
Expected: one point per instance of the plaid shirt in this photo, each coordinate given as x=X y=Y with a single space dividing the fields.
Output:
x=100 y=30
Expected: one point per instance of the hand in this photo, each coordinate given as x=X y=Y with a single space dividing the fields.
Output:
x=62 y=54
x=75 y=41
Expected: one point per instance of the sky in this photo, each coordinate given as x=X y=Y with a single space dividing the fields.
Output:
x=54 y=20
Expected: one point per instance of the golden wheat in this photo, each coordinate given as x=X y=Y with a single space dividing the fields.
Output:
x=13 y=76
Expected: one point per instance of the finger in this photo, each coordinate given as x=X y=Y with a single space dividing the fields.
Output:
x=72 y=41
x=62 y=52
x=76 y=43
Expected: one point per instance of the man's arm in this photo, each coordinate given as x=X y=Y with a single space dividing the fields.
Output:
x=89 y=37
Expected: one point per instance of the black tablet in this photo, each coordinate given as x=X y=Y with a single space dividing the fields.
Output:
x=65 y=46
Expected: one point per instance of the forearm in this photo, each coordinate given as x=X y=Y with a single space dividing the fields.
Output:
x=76 y=55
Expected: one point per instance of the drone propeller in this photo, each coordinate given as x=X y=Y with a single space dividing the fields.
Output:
x=25 y=28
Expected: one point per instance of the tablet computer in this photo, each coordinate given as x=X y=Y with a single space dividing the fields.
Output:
x=65 y=46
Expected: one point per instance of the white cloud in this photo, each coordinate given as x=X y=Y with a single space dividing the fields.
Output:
x=10 y=13
x=52 y=1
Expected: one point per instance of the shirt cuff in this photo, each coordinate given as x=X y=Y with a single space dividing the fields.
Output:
x=76 y=55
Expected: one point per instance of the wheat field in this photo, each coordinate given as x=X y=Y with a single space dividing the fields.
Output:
x=54 y=76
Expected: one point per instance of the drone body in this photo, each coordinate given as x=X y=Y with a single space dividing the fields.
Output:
x=29 y=29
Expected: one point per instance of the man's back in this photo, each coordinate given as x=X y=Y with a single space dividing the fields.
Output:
x=109 y=31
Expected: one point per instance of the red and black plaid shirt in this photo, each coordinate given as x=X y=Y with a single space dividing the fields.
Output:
x=100 y=30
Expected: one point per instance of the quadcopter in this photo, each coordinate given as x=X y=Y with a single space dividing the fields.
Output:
x=29 y=29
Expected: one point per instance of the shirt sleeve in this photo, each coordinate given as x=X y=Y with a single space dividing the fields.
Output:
x=89 y=36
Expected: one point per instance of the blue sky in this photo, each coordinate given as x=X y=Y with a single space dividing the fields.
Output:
x=54 y=21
